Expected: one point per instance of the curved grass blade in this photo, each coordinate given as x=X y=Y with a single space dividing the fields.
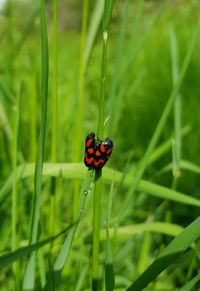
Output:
x=176 y=247
x=8 y=259
x=190 y=284
x=77 y=171
x=189 y=166
x=126 y=232
x=63 y=254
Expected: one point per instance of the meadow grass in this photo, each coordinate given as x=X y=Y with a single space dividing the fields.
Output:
x=130 y=72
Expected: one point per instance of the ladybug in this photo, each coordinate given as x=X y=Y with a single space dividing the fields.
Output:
x=96 y=155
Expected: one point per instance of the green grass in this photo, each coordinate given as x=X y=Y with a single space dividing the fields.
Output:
x=128 y=70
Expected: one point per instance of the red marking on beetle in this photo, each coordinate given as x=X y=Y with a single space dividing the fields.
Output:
x=102 y=148
x=97 y=153
x=109 y=151
x=96 y=163
x=90 y=150
x=88 y=143
x=89 y=160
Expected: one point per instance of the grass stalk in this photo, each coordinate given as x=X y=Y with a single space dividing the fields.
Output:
x=14 y=190
x=54 y=104
x=55 y=85
x=33 y=118
x=29 y=277
x=176 y=146
x=98 y=175
x=98 y=178
x=80 y=101
x=96 y=230
x=109 y=271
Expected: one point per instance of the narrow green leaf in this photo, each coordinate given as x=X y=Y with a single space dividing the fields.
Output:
x=7 y=93
x=144 y=162
x=77 y=171
x=93 y=27
x=126 y=232
x=54 y=276
x=109 y=5
x=189 y=166
x=8 y=259
x=4 y=122
x=109 y=277
x=177 y=103
x=190 y=284
x=28 y=283
x=160 y=150
x=15 y=194
x=177 y=246
x=109 y=271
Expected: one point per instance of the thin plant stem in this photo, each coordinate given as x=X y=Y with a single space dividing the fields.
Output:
x=176 y=143
x=29 y=277
x=98 y=183
x=54 y=140
x=14 y=190
x=80 y=101
x=55 y=85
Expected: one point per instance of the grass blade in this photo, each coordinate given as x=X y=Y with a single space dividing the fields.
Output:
x=109 y=4
x=189 y=166
x=93 y=27
x=176 y=143
x=190 y=284
x=55 y=273
x=160 y=150
x=14 y=190
x=80 y=100
x=109 y=271
x=8 y=259
x=28 y=283
x=176 y=247
x=144 y=162
x=128 y=231
x=77 y=171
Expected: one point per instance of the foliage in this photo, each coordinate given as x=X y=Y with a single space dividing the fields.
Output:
x=146 y=212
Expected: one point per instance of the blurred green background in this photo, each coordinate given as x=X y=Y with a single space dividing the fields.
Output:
x=138 y=85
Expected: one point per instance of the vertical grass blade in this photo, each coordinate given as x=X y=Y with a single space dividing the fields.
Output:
x=54 y=110
x=80 y=100
x=109 y=4
x=116 y=75
x=93 y=27
x=177 y=106
x=29 y=277
x=55 y=85
x=14 y=190
x=109 y=271
x=96 y=230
